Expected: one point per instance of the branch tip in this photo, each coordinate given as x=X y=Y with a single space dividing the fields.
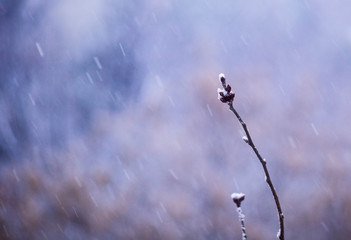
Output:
x=225 y=95
x=238 y=198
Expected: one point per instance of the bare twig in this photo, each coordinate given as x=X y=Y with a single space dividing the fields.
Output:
x=237 y=199
x=227 y=96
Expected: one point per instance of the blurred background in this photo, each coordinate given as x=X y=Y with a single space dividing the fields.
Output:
x=110 y=126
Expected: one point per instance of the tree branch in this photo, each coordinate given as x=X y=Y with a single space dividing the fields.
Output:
x=226 y=95
x=263 y=162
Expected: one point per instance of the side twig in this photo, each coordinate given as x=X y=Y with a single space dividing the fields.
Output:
x=237 y=199
x=227 y=96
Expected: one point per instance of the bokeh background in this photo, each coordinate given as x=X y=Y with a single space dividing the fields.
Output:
x=110 y=126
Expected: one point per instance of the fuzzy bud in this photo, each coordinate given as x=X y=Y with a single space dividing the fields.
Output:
x=231 y=97
x=222 y=78
x=238 y=198
x=228 y=88
x=223 y=100
x=245 y=139
x=220 y=93
x=225 y=94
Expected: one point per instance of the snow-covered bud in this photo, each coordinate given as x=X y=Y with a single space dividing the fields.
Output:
x=279 y=233
x=228 y=88
x=225 y=94
x=220 y=93
x=229 y=97
x=245 y=139
x=222 y=78
x=238 y=198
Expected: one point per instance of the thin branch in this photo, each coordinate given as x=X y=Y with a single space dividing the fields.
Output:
x=225 y=95
x=237 y=199
x=264 y=165
x=242 y=223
